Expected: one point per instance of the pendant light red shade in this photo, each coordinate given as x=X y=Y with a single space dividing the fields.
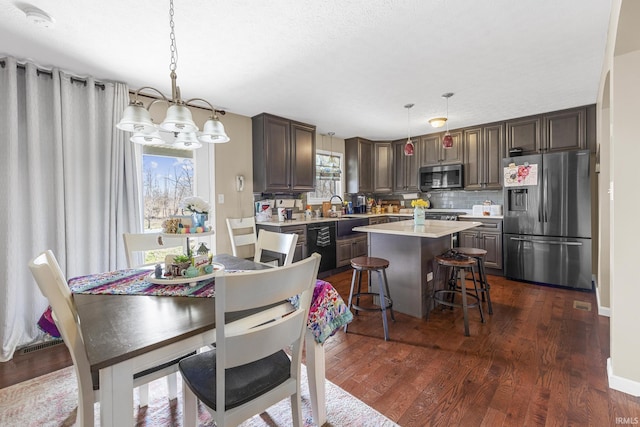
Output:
x=408 y=148
x=447 y=140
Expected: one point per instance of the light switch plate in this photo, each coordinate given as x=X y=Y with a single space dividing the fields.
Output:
x=220 y=199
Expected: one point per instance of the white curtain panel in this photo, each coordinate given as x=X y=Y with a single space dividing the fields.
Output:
x=68 y=183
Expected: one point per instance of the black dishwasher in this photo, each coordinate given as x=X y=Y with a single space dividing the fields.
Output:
x=321 y=238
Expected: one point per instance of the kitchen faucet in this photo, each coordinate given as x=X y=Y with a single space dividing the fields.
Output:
x=335 y=195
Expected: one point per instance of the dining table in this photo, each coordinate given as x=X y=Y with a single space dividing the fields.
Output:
x=126 y=333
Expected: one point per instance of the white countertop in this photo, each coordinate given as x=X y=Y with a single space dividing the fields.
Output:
x=302 y=221
x=430 y=229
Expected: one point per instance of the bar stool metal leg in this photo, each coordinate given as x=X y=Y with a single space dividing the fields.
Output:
x=386 y=284
x=383 y=305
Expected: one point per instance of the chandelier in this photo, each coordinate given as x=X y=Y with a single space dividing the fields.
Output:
x=408 y=146
x=178 y=120
x=447 y=139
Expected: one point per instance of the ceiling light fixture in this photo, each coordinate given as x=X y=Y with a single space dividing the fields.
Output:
x=447 y=139
x=136 y=117
x=437 y=122
x=38 y=17
x=408 y=146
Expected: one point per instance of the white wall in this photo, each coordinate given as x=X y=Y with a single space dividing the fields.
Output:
x=622 y=68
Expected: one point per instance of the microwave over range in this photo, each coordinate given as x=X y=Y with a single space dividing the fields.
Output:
x=441 y=177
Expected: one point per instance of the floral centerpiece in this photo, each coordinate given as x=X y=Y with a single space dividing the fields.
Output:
x=419 y=206
x=199 y=210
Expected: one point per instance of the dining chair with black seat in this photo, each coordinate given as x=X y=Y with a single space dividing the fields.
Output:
x=276 y=243
x=137 y=245
x=53 y=285
x=244 y=241
x=249 y=370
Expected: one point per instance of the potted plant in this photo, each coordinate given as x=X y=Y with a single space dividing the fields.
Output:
x=180 y=262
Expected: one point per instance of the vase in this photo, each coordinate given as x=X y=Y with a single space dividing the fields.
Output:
x=418 y=216
x=198 y=219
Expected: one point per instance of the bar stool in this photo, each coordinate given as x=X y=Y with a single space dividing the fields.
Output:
x=460 y=264
x=379 y=265
x=479 y=255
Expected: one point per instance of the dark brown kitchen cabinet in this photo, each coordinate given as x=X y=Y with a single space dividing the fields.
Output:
x=488 y=236
x=525 y=133
x=432 y=153
x=283 y=155
x=550 y=132
x=405 y=170
x=349 y=248
x=360 y=165
x=483 y=153
x=383 y=170
x=565 y=130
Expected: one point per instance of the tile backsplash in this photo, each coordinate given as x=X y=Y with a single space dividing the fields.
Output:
x=462 y=199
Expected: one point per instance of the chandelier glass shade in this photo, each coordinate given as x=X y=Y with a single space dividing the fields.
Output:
x=178 y=119
x=409 y=148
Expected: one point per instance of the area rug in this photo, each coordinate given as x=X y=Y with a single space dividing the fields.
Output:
x=51 y=401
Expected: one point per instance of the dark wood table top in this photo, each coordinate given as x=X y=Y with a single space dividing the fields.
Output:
x=120 y=327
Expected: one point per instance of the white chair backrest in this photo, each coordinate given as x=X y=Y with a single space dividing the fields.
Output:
x=243 y=291
x=53 y=285
x=282 y=243
x=242 y=233
x=142 y=242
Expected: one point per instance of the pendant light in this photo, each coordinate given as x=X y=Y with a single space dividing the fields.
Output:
x=408 y=146
x=178 y=119
x=447 y=139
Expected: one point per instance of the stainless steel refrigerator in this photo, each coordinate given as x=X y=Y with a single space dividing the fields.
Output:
x=547 y=219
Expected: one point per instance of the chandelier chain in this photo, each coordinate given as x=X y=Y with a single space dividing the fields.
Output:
x=172 y=36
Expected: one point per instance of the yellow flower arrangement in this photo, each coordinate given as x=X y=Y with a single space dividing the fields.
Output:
x=419 y=203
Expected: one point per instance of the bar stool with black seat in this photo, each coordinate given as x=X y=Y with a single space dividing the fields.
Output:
x=460 y=264
x=479 y=255
x=379 y=265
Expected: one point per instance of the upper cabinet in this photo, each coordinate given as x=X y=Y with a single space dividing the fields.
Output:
x=432 y=153
x=283 y=155
x=383 y=170
x=405 y=168
x=360 y=165
x=483 y=153
x=557 y=131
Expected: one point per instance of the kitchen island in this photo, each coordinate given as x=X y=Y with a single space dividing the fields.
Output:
x=410 y=250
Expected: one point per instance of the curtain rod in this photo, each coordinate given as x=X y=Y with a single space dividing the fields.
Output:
x=50 y=74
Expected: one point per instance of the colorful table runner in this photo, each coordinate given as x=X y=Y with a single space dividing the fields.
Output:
x=327 y=314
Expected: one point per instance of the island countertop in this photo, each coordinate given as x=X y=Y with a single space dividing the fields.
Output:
x=431 y=228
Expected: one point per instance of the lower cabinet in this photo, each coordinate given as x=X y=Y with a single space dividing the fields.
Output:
x=350 y=247
x=488 y=236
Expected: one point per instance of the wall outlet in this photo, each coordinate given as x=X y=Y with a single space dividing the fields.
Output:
x=429 y=276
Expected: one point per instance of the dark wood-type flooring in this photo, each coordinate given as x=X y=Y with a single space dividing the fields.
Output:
x=536 y=361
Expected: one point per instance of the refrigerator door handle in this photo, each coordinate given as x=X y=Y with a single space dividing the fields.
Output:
x=545 y=194
x=547 y=242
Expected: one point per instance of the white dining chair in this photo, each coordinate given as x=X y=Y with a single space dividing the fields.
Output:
x=280 y=243
x=249 y=370
x=53 y=285
x=243 y=237
x=136 y=246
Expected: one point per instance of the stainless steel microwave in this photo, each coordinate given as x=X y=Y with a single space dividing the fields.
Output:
x=441 y=177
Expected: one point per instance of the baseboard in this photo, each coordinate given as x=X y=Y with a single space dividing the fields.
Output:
x=602 y=311
x=622 y=384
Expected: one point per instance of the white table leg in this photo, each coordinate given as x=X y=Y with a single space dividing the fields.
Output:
x=116 y=395
x=315 y=375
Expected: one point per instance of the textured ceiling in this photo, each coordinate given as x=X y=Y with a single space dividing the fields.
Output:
x=346 y=66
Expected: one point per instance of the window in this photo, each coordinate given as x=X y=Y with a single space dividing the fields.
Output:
x=328 y=177
x=167 y=178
